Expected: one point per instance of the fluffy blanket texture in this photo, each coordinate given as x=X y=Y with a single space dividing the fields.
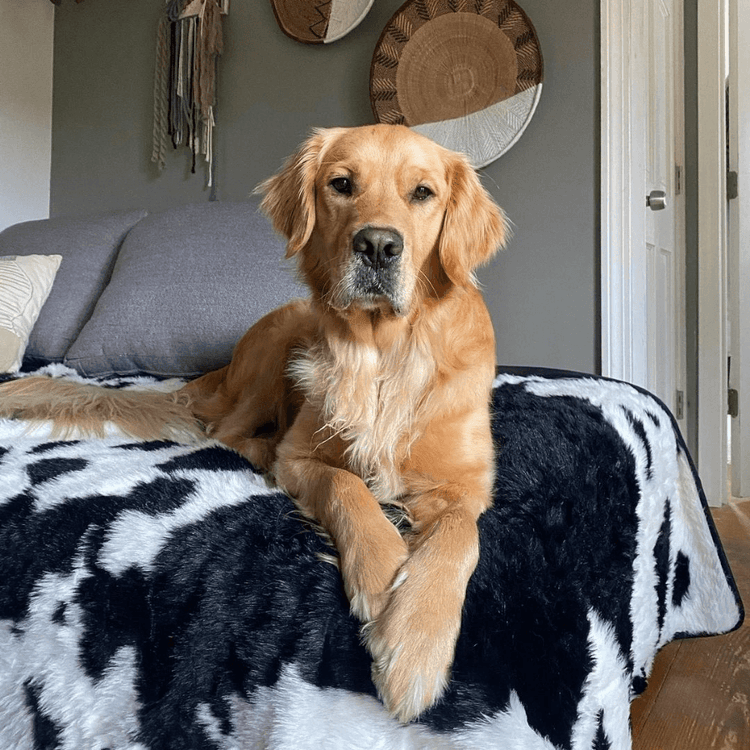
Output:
x=156 y=596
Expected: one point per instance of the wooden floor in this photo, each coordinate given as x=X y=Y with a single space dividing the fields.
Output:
x=698 y=696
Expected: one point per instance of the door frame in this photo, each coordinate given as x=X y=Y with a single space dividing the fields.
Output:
x=712 y=252
x=738 y=246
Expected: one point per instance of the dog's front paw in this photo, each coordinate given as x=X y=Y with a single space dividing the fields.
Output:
x=412 y=645
x=369 y=569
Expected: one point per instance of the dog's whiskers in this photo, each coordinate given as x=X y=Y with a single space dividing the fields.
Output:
x=422 y=280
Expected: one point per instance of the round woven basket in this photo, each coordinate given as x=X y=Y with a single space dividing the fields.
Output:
x=319 y=21
x=466 y=73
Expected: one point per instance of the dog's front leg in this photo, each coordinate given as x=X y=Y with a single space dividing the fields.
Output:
x=449 y=477
x=371 y=550
x=413 y=641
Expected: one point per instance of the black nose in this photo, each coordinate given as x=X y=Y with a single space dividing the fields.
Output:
x=378 y=247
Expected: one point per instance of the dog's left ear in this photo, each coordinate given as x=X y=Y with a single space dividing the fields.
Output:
x=474 y=228
x=290 y=195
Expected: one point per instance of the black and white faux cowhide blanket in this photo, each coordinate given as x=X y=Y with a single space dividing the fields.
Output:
x=156 y=596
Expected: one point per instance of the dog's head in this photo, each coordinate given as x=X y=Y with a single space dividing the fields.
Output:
x=381 y=214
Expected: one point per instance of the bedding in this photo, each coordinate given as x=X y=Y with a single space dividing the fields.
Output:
x=160 y=596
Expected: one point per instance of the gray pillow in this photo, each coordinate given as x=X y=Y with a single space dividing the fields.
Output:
x=186 y=286
x=88 y=246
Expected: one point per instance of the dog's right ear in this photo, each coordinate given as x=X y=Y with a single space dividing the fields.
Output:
x=290 y=195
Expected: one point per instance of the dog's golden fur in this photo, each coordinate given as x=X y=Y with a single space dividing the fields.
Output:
x=374 y=390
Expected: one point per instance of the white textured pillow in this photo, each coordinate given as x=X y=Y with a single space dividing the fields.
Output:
x=25 y=283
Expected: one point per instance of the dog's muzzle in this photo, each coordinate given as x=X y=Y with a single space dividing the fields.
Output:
x=377 y=253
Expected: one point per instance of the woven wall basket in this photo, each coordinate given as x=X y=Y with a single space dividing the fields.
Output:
x=466 y=73
x=319 y=21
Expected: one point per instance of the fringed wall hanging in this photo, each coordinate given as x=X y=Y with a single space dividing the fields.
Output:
x=188 y=45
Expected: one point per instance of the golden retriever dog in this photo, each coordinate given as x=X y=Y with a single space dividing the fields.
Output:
x=374 y=390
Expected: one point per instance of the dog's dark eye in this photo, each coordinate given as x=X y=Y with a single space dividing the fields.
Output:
x=342 y=185
x=422 y=192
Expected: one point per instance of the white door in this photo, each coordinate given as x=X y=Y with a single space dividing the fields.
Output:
x=739 y=244
x=643 y=329
x=662 y=201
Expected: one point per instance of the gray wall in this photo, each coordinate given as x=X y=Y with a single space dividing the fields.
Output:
x=25 y=109
x=543 y=292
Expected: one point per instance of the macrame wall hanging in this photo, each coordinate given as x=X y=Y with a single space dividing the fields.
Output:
x=188 y=45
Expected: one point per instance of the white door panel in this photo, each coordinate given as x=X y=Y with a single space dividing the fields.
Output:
x=643 y=282
x=662 y=228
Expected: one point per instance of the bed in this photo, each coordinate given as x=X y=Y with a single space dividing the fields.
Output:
x=156 y=595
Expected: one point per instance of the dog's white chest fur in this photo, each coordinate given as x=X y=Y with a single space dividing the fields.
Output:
x=372 y=400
